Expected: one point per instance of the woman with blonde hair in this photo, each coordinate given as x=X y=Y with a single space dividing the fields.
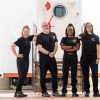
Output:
x=24 y=44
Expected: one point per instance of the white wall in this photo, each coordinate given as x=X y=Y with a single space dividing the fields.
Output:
x=61 y=24
x=14 y=14
x=90 y=13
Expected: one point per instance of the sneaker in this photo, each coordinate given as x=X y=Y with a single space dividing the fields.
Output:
x=45 y=94
x=63 y=95
x=96 y=95
x=56 y=94
x=87 y=94
x=75 y=95
x=19 y=94
x=24 y=94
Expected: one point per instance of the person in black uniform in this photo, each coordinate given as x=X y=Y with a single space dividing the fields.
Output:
x=24 y=44
x=47 y=46
x=70 y=44
x=90 y=58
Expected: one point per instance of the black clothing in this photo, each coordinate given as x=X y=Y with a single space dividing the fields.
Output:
x=88 y=60
x=86 y=64
x=69 y=60
x=47 y=63
x=22 y=67
x=69 y=42
x=67 y=63
x=47 y=41
x=89 y=43
x=24 y=45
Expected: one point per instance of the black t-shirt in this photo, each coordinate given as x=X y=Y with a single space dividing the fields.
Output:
x=47 y=41
x=89 y=43
x=24 y=45
x=70 y=42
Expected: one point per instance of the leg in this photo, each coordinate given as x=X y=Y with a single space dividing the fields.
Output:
x=53 y=71
x=94 y=69
x=65 y=70
x=43 y=71
x=85 y=70
x=22 y=67
x=74 y=61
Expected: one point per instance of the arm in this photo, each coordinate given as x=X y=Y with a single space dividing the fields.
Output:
x=55 y=50
x=35 y=37
x=98 y=53
x=79 y=37
x=14 y=51
x=76 y=48
x=56 y=47
x=63 y=47
x=41 y=49
x=98 y=50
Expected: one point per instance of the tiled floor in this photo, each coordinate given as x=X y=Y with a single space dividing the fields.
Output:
x=8 y=95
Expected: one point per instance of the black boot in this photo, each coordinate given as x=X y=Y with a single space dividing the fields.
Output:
x=75 y=95
x=87 y=94
x=63 y=95
x=96 y=95
x=19 y=95
x=45 y=94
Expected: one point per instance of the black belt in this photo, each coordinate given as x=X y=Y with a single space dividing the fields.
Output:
x=70 y=53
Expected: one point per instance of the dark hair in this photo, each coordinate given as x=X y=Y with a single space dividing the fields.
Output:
x=85 y=33
x=70 y=25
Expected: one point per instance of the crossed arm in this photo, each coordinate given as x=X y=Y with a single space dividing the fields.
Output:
x=70 y=48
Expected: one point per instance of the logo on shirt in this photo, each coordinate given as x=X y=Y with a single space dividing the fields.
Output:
x=93 y=39
x=54 y=37
x=74 y=40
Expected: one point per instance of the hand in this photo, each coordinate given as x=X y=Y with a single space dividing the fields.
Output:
x=35 y=37
x=36 y=34
x=20 y=55
x=52 y=54
x=74 y=47
x=79 y=37
x=97 y=61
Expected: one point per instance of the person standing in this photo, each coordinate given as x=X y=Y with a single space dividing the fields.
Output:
x=90 y=58
x=47 y=46
x=70 y=45
x=24 y=44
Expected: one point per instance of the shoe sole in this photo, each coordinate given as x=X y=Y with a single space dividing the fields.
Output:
x=86 y=96
x=18 y=97
x=63 y=95
x=45 y=96
x=56 y=95
x=75 y=96
x=96 y=96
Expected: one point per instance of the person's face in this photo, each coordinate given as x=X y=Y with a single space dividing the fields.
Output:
x=45 y=26
x=89 y=28
x=26 y=33
x=70 y=31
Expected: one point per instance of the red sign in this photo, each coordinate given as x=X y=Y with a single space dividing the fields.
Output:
x=49 y=23
x=48 y=6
